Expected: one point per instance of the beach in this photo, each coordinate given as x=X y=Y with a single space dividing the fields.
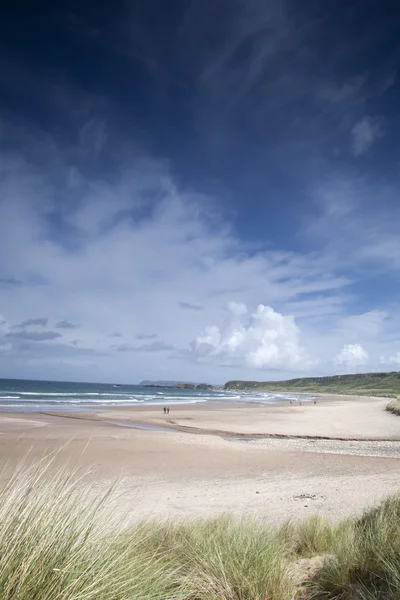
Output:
x=336 y=457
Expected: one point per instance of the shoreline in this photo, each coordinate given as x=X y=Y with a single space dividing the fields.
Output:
x=171 y=426
x=219 y=402
x=336 y=418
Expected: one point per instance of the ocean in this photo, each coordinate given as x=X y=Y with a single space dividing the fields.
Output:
x=25 y=395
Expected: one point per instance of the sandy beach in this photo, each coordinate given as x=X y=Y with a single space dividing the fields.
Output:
x=335 y=457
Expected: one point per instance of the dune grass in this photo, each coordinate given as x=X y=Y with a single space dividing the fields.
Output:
x=366 y=566
x=394 y=406
x=57 y=543
x=225 y=558
x=61 y=541
x=314 y=536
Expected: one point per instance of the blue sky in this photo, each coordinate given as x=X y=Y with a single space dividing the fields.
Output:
x=199 y=191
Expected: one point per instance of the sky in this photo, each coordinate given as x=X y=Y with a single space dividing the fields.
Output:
x=199 y=191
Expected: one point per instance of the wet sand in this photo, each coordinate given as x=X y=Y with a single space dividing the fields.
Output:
x=206 y=459
x=338 y=417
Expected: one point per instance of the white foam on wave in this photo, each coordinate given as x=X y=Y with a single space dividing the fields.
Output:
x=84 y=399
x=66 y=394
x=126 y=402
x=7 y=406
x=176 y=401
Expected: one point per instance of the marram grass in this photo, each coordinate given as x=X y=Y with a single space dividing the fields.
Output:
x=57 y=543
x=366 y=564
x=394 y=406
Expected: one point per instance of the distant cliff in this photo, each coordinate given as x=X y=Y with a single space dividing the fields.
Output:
x=164 y=383
x=372 y=384
x=180 y=385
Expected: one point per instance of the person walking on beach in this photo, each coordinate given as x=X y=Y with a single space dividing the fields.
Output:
x=167 y=410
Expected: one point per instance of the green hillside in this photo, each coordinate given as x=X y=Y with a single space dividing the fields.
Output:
x=378 y=384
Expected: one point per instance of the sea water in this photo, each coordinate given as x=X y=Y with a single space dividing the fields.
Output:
x=26 y=395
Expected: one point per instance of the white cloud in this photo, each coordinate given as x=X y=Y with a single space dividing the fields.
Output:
x=140 y=254
x=369 y=324
x=365 y=133
x=355 y=229
x=264 y=339
x=392 y=360
x=126 y=257
x=346 y=92
x=352 y=356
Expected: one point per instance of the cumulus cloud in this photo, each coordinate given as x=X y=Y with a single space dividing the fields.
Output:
x=264 y=339
x=34 y=336
x=395 y=359
x=41 y=321
x=392 y=360
x=365 y=133
x=352 y=356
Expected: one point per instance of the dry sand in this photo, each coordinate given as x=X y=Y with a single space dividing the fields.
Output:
x=218 y=458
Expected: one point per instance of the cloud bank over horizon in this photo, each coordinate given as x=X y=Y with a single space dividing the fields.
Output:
x=199 y=212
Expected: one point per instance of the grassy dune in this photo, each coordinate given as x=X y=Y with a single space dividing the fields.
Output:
x=369 y=384
x=394 y=406
x=57 y=544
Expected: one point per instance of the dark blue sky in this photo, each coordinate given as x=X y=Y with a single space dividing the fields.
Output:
x=273 y=124
x=248 y=99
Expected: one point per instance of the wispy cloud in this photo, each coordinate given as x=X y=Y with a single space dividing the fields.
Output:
x=365 y=133
x=369 y=324
x=93 y=136
x=40 y=321
x=123 y=348
x=190 y=306
x=117 y=242
x=34 y=336
x=10 y=281
x=186 y=239
x=66 y=325
x=153 y=347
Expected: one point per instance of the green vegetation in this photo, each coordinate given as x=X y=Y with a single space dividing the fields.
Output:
x=56 y=543
x=366 y=565
x=369 y=384
x=394 y=406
